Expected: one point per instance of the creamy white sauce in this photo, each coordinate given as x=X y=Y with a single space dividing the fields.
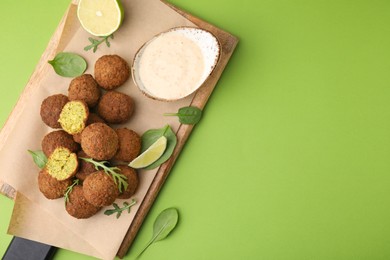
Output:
x=172 y=66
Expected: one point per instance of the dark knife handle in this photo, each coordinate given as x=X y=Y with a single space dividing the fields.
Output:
x=24 y=249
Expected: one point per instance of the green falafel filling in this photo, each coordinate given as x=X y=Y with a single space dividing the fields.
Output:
x=62 y=164
x=73 y=117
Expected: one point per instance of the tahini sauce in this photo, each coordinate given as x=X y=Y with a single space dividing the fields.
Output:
x=172 y=66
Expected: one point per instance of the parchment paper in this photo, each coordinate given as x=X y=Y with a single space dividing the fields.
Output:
x=43 y=220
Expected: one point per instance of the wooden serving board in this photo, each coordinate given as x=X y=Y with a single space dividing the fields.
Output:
x=228 y=43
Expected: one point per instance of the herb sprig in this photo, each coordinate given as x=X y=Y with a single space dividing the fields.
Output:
x=119 y=179
x=69 y=190
x=118 y=210
x=95 y=43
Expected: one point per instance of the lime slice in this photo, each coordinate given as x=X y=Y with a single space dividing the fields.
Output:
x=150 y=155
x=100 y=17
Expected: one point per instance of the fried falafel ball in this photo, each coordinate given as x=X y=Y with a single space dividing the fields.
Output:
x=132 y=181
x=129 y=145
x=115 y=107
x=100 y=189
x=58 y=138
x=99 y=141
x=73 y=117
x=50 y=187
x=85 y=168
x=92 y=118
x=51 y=108
x=111 y=71
x=62 y=164
x=84 y=88
x=77 y=206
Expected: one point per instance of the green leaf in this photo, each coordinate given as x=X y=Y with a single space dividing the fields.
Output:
x=68 y=64
x=119 y=179
x=165 y=222
x=69 y=190
x=188 y=115
x=39 y=158
x=95 y=43
x=151 y=136
x=126 y=206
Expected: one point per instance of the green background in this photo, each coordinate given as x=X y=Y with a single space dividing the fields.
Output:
x=291 y=158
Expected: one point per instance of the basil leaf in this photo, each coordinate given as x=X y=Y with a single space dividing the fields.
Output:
x=151 y=136
x=165 y=222
x=68 y=64
x=39 y=158
x=188 y=115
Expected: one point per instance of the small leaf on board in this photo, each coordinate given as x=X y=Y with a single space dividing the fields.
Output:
x=39 y=158
x=67 y=64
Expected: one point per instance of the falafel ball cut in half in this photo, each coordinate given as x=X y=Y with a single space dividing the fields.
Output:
x=50 y=187
x=99 y=141
x=58 y=138
x=131 y=179
x=74 y=116
x=51 y=108
x=111 y=71
x=62 y=164
x=100 y=189
x=77 y=206
x=84 y=88
x=115 y=107
x=129 y=145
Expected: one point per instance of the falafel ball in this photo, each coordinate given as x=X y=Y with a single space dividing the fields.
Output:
x=111 y=71
x=51 y=108
x=132 y=181
x=100 y=189
x=129 y=145
x=50 y=187
x=77 y=206
x=84 y=88
x=85 y=168
x=92 y=118
x=73 y=117
x=58 y=138
x=115 y=107
x=99 y=141
x=62 y=164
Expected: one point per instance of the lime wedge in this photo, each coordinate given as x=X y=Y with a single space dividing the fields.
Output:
x=100 y=17
x=150 y=155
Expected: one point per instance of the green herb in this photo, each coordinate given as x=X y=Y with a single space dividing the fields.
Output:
x=151 y=136
x=69 y=190
x=119 y=179
x=187 y=115
x=39 y=158
x=68 y=64
x=163 y=225
x=118 y=210
x=95 y=43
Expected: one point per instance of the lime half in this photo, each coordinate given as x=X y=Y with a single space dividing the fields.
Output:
x=152 y=154
x=100 y=17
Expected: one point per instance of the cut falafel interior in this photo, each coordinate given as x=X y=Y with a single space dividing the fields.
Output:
x=74 y=116
x=62 y=164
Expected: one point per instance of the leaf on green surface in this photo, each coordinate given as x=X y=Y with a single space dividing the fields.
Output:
x=165 y=222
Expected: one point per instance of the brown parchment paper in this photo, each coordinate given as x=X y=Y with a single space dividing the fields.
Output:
x=43 y=220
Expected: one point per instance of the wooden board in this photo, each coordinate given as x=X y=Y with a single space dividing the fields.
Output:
x=228 y=43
